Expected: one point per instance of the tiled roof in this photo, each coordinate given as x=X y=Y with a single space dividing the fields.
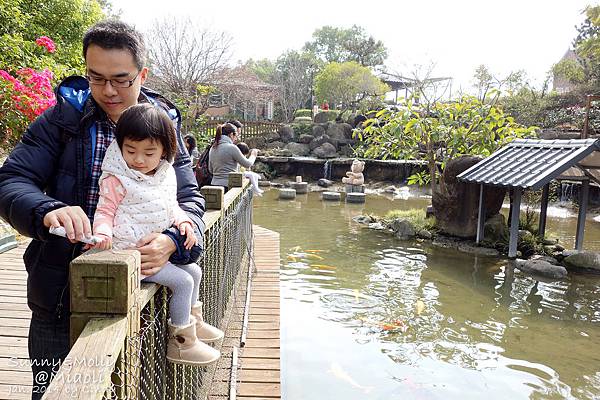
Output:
x=531 y=163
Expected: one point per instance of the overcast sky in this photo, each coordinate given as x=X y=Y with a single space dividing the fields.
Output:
x=455 y=35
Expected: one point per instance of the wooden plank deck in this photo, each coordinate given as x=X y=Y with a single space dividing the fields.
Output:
x=259 y=374
x=15 y=373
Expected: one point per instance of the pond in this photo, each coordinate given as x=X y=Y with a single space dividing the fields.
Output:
x=367 y=316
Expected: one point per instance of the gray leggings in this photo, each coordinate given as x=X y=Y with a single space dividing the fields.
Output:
x=184 y=282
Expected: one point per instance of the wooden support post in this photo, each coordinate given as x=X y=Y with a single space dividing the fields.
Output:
x=235 y=179
x=543 y=211
x=213 y=196
x=480 y=215
x=511 y=197
x=107 y=284
x=583 y=200
x=514 y=223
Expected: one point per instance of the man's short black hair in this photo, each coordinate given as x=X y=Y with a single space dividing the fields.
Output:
x=114 y=34
x=235 y=123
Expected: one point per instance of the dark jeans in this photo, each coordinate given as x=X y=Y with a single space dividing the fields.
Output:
x=48 y=347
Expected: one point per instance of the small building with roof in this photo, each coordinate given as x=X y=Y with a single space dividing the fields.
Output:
x=531 y=164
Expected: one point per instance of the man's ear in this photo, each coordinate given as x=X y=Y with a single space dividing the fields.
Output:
x=143 y=75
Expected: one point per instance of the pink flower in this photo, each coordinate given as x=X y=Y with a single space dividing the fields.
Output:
x=45 y=41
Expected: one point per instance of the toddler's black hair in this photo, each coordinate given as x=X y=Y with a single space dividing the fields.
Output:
x=145 y=121
x=244 y=148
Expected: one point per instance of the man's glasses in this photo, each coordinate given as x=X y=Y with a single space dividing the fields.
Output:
x=118 y=83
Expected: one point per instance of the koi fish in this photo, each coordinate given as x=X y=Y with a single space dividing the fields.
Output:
x=338 y=372
x=323 y=266
x=314 y=251
x=295 y=249
x=292 y=258
x=313 y=256
x=394 y=325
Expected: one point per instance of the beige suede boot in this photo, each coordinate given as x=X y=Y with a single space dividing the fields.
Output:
x=185 y=348
x=205 y=331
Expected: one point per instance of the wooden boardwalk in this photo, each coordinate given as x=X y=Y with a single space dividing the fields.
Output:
x=259 y=364
x=15 y=373
x=259 y=375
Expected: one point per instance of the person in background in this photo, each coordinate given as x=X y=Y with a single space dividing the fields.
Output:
x=138 y=196
x=238 y=126
x=225 y=157
x=50 y=179
x=192 y=149
x=252 y=176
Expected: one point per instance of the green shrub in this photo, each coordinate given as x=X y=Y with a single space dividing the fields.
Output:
x=303 y=112
x=302 y=120
x=301 y=128
x=331 y=114
x=415 y=216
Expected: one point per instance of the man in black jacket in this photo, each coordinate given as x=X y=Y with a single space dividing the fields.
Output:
x=51 y=179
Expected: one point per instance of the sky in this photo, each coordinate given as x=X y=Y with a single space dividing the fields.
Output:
x=453 y=36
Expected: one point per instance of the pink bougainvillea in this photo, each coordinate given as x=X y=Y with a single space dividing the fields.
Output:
x=45 y=41
x=24 y=95
x=32 y=91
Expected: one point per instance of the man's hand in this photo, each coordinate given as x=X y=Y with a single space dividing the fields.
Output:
x=155 y=249
x=73 y=219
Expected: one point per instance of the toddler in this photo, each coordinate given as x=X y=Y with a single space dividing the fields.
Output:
x=138 y=196
x=252 y=176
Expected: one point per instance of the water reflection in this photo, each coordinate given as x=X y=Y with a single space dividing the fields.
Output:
x=361 y=309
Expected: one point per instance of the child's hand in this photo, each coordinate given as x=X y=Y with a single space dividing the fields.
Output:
x=186 y=229
x=104 y=244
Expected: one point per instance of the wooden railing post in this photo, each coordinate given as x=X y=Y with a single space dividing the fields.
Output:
x=235 y=180
x=213 y=197
x=107 y=284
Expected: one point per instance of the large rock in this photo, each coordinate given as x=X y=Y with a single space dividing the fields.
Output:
x=318 y=130
x=318 y=141
x=256 y=142
x=402 y=228
x=326 y=150
x=347 y=128
x=588 y=260
x=321 y=117
x=495 y=229
x=298 y=149
x=305 y=138
x=272 y=137
x=541 y=268
x=275 y=145
x=456 y=205
x=336 y=131
x=286 y=133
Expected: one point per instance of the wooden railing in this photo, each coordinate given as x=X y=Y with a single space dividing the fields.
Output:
x=118 y=327
x=250 y=129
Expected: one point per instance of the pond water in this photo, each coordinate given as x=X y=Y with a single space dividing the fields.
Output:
x=367 y=316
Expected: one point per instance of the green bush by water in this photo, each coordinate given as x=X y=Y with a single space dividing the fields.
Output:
x=415 y=216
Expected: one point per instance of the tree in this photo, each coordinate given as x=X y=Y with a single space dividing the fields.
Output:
x=40 y=43
x=185 y=57
x=587 y=43
x=340 y=45
x=446 y=131
x=347 y=84
x=294 y=74
x=63 y=21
